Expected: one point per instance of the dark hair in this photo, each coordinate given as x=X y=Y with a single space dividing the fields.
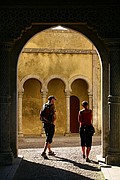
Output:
x=84 y=103
x=51 y=97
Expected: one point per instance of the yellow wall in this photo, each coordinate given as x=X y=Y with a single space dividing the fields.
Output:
x=46 y=64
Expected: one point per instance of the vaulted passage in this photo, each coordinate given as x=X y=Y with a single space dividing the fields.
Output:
x=65 y=63
x=78 y=61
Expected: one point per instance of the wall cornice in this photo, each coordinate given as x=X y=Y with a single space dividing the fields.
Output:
x=58 y=51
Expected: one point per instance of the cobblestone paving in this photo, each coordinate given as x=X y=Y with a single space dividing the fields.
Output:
x=68 y=164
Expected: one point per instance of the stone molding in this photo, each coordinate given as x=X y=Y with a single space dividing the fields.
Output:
x=113 y=99
x=58 y=51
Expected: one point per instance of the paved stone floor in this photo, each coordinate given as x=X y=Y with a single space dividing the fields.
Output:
x=58 y=141
x=68 y=163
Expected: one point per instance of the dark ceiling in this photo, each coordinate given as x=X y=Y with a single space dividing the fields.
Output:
x=58 y=3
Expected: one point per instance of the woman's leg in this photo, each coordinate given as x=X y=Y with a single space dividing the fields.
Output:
x=88 y=146
x=83 y=151
x=49 y=147
x=87 y=152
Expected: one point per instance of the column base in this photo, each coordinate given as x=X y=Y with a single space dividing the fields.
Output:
x=43 y=134
x=113 y=159
x=67 y=134
x=6 y=158
x=20 y=134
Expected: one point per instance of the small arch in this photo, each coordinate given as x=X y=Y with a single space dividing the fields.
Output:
x=55 y=77
x=29 y=77
x=80 y=77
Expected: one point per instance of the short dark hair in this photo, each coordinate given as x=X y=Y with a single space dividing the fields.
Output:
x=51 y=97
x=84 y=103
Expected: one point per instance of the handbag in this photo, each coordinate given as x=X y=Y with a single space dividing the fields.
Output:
x=91 y=130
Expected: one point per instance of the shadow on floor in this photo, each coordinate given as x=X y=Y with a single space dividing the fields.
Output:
x=35 y=171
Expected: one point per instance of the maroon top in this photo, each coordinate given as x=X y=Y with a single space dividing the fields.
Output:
x=86 y=117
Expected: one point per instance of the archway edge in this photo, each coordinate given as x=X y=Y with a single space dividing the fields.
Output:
x=98 y=42
x=83 y=28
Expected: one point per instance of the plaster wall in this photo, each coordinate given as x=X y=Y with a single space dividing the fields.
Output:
x=43 y=56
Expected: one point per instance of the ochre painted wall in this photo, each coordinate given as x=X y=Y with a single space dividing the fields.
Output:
x=40 y=57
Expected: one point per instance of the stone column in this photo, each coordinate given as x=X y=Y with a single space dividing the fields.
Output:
x=104 y=104
x=20 y=96
x=91 y=104
x=67 y=95
x=95 y=91
x=6 y=155
x=113 y=155
x=44 y=95
x=90 y=100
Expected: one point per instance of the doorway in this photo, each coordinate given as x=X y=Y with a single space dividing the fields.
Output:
x=74 y=109
x=89 y=35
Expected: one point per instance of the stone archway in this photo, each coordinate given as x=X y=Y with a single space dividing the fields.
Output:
x=89 y=33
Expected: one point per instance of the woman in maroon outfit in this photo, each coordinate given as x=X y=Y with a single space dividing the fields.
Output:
x=85 y=122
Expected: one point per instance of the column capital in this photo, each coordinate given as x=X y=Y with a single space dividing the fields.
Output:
x=6 y=46
x=113 y=99
x=112 y=42
x=5 y=99
x=67 y=93
x=44 y=94
x=90 y=94
x=20 y=94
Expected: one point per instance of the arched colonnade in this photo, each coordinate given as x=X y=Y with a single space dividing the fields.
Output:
x=44 y=94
